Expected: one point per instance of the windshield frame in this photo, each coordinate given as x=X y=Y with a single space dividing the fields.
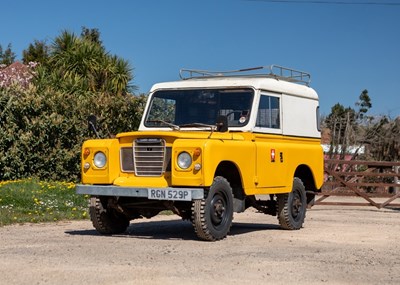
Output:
x=234 y=102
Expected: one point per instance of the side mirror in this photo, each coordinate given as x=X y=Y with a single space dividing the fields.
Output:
x=222 y=124
x=92 y=125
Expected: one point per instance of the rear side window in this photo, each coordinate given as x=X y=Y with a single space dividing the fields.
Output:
x=318 y=120
x=268 y=113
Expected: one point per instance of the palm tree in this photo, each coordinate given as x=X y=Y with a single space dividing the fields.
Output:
x=119 y=75
x=83 y=63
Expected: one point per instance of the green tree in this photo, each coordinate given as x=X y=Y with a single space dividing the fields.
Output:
x=342 y=124
x=7 y=56
x=42 y=126
x=92 y=35
x=81 y=63
x=36 y=52
x=364 y=104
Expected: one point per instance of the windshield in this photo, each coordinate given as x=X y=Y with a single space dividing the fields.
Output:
x=191 y=108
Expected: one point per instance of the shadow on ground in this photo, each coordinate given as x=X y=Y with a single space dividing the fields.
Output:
x=174 y=229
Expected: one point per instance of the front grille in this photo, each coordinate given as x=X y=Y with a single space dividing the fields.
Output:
x=149 y=157
x=152 y=158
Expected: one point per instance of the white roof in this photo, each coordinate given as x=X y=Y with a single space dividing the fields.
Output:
x=262 y=83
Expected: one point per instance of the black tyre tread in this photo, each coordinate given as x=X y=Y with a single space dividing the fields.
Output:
x=199 y=222
x=105 y=222
x=199 y=214
x=284 y=212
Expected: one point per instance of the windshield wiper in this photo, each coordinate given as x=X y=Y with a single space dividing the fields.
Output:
x=198 y=125
x=172 y=126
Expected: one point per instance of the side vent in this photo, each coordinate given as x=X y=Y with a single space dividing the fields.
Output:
x=126 y=154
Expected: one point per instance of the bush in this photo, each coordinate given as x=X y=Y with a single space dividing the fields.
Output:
x=41 y=133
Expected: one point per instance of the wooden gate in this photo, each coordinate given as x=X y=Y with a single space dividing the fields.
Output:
x=366 y=179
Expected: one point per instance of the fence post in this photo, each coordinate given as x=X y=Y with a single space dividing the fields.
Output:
x=396 y=179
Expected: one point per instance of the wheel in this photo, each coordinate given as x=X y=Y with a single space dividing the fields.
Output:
x=212 y=216
x=106 y=220
x=292 y=207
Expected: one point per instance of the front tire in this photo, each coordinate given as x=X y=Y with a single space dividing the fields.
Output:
x=212 y=217
x=106 y=220
x=292 y=206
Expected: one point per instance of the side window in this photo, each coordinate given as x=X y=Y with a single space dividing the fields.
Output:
x=318 y=120
x=268 y=113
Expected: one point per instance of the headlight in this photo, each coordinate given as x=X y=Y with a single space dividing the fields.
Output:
x=184 y=160
x=100 y=159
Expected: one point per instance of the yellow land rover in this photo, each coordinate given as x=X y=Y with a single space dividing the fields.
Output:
x=209 y=145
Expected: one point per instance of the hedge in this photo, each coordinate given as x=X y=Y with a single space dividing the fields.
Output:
x=41 y=133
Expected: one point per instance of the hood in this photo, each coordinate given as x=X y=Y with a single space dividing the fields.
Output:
x=183 y=135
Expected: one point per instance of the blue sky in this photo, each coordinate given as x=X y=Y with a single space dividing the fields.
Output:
x=346 y=48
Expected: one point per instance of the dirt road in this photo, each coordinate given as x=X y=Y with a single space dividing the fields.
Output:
x=338 y=245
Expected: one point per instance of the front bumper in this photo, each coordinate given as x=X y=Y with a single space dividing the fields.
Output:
x=142 y=192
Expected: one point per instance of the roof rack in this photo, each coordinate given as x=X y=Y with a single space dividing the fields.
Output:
x=271 y=71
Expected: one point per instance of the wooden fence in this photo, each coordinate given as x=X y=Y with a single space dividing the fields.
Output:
x=366 y=179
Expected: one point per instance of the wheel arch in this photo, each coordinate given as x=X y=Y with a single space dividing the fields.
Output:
x=231 y=172
x=305 y=173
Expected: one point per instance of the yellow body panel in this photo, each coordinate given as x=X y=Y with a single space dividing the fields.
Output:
x=107 y=174
x=278 y=157
x=266 y=163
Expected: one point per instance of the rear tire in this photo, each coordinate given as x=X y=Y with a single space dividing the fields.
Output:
x=106 y=220
x=292 y=206
x=212 y=216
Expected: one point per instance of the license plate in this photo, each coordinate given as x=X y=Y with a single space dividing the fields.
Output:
x=170 y=194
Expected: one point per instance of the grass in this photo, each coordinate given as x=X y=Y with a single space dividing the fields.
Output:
x=32 y=201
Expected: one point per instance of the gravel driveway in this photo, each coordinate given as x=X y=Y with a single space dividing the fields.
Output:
x=338 y=245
